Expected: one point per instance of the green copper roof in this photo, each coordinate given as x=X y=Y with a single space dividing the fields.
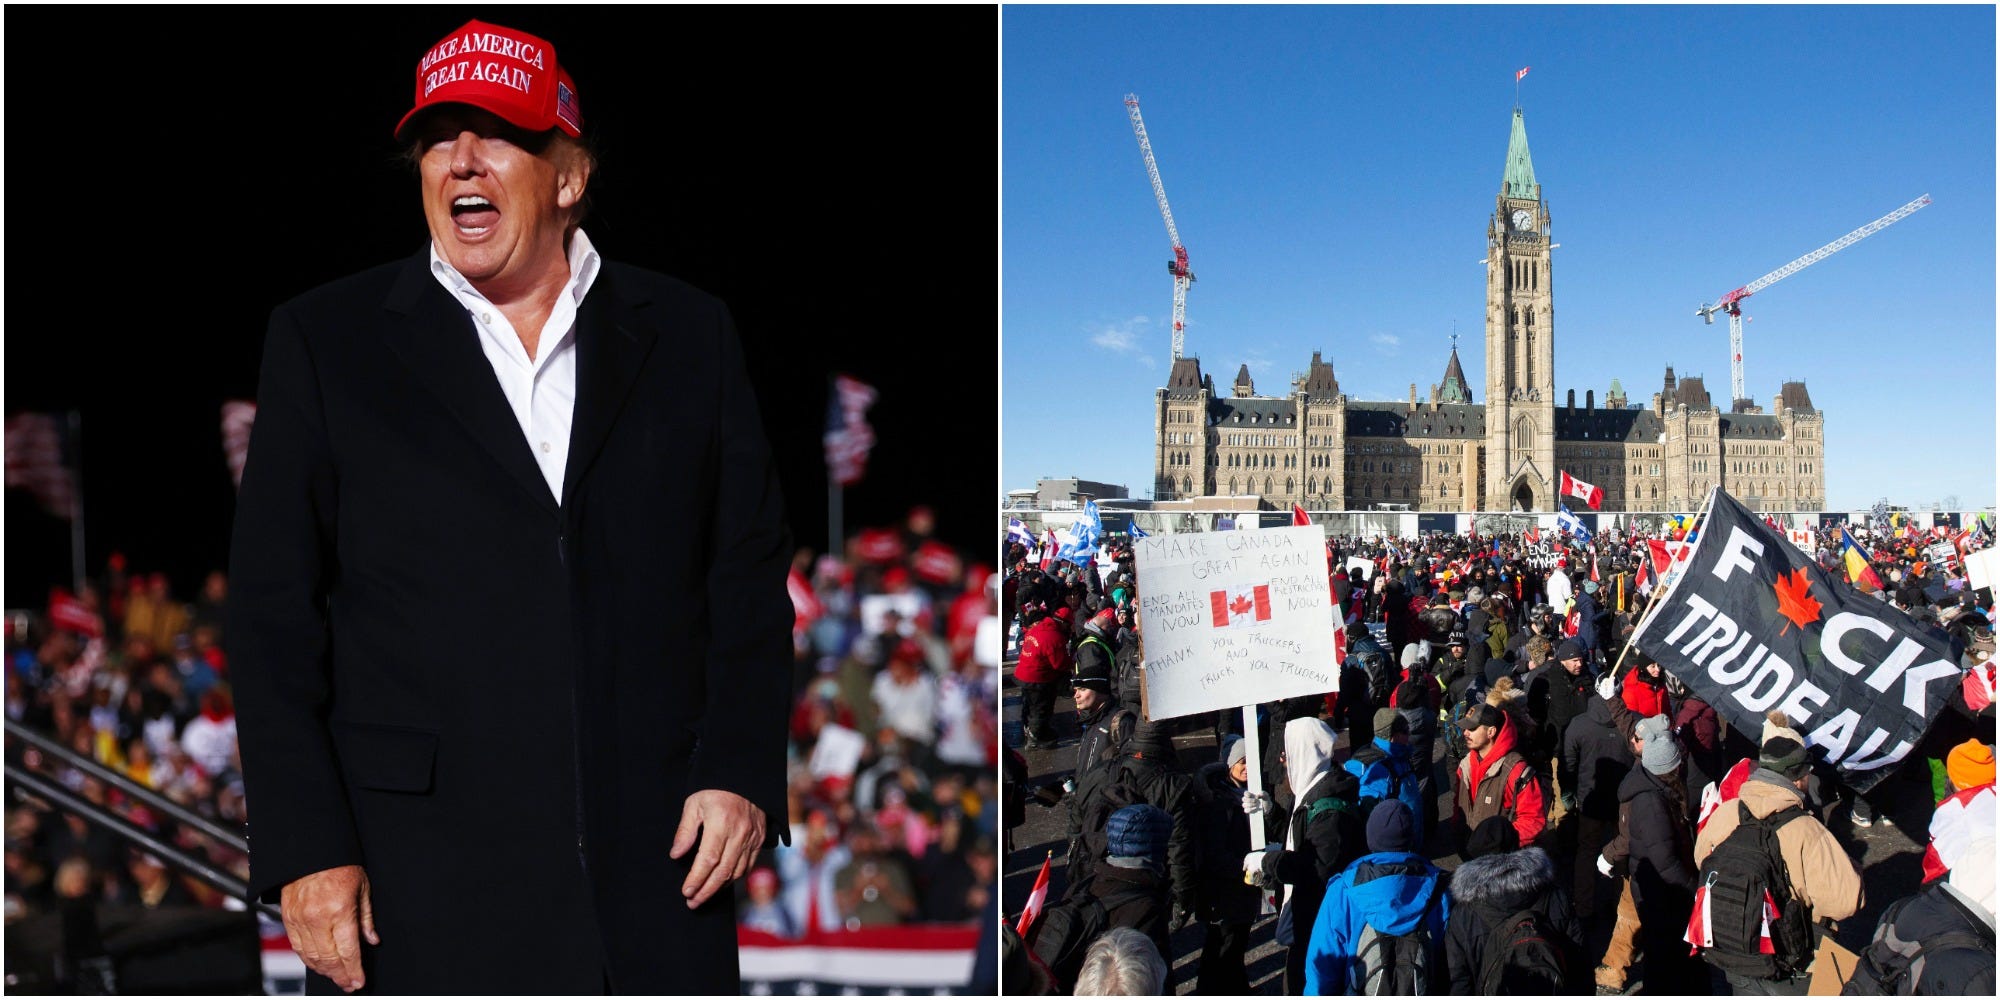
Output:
x=1615 y=387
x=1453 y=389
x=1520 y=179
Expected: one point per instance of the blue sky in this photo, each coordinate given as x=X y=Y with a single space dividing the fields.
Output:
x=1332 y=171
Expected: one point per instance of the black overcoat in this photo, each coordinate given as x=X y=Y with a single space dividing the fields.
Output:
x=495 y=699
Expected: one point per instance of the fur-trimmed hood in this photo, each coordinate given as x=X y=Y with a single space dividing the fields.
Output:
x=1504 y=882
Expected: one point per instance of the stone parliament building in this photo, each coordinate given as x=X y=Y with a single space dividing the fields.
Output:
x=1321 y=449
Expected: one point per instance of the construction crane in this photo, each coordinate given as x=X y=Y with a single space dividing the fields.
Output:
x=1178 y=267
x=1733 y=302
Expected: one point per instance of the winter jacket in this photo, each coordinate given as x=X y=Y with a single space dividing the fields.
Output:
x=1126 y=677
x=1477 y=652
x=1149 y=915
x=1488 y=890
x=1658 y=847
x=1500 y=782
x=1393 y=892
x=1384 y=769
x=1316 y=846
x=1642 y=695
x=1595 y=759
x=1700 y=730
x=1172 y=790
x=1587 y=612
x=1044 y=653
x=1823 y=877
x=1936 y=910
x=1560 y=697
x=1222 y=839
x=1099 y=744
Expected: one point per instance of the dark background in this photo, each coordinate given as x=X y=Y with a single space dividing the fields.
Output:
x=168 y=187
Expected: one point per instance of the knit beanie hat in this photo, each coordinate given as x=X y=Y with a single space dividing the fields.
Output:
x=1493 y=836
x=1236 y=751
x=1139 y=831
x=1660 y=753
x=1390 y=827
x=1969 y=765
x=1786 y=756
x=1776 y=724
x=1388 y=721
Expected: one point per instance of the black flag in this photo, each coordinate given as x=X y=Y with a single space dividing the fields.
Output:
x=1752 y=624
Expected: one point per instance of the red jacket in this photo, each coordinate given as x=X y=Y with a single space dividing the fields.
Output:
x=1044 y=653
x=1524 y=794
x=1642 y=698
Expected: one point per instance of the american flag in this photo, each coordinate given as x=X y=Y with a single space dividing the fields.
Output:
x=35 y=462
x=566 y=106
x=848 y=436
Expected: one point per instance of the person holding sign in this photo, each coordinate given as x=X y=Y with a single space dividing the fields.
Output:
x=1325 y=834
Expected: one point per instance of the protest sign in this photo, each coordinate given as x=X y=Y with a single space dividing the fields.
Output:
x=1982 y=567
x=1234 y=618
x=1366 y=566
x=1803 y=540
x=837 y=752
x=1752 y=625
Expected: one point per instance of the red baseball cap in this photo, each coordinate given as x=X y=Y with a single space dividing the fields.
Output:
x=511 y=73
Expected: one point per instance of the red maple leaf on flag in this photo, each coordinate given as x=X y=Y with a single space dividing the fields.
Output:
x=1795 y=600
x=1241 y=605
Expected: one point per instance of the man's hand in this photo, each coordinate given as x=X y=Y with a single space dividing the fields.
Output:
x=320 y=913
x=732 y=832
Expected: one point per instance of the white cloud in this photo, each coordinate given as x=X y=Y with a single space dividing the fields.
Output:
x=1123 y=337
x=1385 y=343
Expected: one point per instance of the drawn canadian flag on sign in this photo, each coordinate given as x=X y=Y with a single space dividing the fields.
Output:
x=1245 y=605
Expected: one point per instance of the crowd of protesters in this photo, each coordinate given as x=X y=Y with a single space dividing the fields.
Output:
x=1499 y=776
x=902 y=830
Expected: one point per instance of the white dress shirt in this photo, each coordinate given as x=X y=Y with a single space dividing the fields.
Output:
x=542 y=389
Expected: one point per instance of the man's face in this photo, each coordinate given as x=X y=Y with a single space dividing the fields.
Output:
x=1087 y=699
x=497 y=199
x=1481 y=738
x=1574 y=665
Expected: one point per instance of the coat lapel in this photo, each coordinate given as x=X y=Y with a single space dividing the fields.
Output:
x=435 y=338
x=613 y=338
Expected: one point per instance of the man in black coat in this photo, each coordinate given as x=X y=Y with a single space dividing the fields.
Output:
x=1595 y=759
x=508 y=627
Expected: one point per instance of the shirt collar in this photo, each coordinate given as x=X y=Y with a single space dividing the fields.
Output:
x=584 y=264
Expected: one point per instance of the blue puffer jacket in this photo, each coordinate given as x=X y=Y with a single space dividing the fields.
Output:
x=1385 y=770
x=1391 y=891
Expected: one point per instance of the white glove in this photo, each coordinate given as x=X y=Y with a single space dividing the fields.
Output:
x=1604 y=866
x=1256 y=802
x=1607 y=686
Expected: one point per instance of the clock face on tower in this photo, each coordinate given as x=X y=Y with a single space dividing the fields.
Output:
x=1523 y=220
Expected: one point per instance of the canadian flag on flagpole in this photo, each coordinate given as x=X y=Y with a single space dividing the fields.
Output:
x=1241 y=605
x=1572 y=486
x=1036 y=897
x=1299 y=518
x=1523 y=71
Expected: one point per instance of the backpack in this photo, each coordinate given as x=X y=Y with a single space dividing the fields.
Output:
x=1736 y=879
x=1370 y=764
x=1523 y=957
x=1892 y=965
x=1381 y=678
x=1395 y=964
x=1062 y=935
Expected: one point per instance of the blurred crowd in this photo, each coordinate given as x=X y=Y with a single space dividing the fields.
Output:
x=894 y=745
x=135 y=678
x=892 y=806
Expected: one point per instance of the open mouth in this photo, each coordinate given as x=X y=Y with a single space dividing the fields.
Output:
x=473 y=214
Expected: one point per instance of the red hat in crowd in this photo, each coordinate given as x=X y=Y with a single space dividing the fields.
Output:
x=1064 y=614
x=1106 y=619
x=510 y=73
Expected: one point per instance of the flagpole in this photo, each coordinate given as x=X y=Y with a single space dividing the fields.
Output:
x=76 y=512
